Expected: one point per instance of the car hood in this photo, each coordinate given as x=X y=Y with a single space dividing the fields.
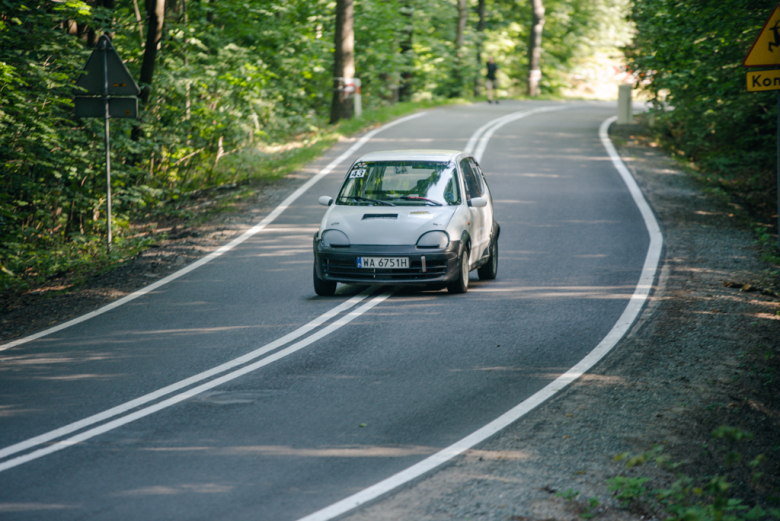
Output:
x=386 y=225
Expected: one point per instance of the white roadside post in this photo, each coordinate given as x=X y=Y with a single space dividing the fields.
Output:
x=625 y=113
x=358 y=99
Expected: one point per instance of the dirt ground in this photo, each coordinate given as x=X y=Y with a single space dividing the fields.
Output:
x=705 y=353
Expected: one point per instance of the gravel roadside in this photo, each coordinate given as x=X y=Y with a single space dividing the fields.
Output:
x=701 y=355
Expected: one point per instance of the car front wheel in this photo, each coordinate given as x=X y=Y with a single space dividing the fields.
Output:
x=489 y=270
x=323 y=288
x=461 y=284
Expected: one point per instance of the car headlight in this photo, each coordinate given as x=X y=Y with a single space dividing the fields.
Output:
x=434 y=239
x=335 y=239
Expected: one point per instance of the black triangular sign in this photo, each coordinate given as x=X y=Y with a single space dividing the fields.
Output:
x=120 y=83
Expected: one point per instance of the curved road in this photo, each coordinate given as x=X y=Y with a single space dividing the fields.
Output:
x=369 y=394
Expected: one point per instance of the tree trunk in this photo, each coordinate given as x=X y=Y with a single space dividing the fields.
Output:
x=405 y=92
x=343 y=59
x=535 y=49
x=457 y=73
x=139 y=21
x=480 y=37
x=155 y=12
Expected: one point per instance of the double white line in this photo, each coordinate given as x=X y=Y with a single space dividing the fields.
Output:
x=132 y=407
x=478 y=142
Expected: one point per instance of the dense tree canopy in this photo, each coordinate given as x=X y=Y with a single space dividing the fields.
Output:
x=688 y=55
x=228 y=75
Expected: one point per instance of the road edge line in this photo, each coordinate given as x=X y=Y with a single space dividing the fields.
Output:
x=618 y=331
x=268 y=219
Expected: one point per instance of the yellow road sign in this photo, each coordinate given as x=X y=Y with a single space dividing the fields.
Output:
x=763 y=80
x=766 y=49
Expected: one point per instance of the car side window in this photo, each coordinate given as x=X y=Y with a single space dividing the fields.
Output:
x=480 y=174
x=473 y=185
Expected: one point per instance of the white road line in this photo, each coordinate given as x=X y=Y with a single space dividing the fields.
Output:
x=137 y=415
x=232 y=364
x=617 y=332
x=229 y=246
x=483 y=140
x=479 y=142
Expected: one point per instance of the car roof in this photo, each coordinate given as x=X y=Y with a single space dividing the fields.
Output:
x=412 y=155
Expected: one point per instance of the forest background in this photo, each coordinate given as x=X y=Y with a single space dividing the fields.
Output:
x=242 y=86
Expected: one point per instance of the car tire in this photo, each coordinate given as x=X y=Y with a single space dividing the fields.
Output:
x=323 y=288
x=489 y=270
x=461 y=284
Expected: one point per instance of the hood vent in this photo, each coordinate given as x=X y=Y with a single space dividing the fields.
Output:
x=380 y=216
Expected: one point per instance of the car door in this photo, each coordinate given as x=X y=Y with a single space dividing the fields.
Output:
x=487 y=211
x=474 y=189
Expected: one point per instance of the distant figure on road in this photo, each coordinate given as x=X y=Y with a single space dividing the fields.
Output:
x=491 y=82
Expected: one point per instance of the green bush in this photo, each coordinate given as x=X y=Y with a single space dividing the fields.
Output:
x=688 y=56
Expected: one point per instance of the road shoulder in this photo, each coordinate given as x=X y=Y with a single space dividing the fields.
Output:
x=701 y=355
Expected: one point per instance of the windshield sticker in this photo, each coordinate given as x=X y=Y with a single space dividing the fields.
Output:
x=358 y=172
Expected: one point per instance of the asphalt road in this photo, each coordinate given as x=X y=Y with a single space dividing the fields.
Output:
x=405 y=378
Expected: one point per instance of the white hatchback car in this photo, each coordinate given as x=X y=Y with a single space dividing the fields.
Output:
x=411 y=217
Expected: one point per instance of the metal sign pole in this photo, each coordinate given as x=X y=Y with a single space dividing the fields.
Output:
x=108 y=152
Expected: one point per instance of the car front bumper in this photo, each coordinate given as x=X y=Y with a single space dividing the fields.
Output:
x=426 y=266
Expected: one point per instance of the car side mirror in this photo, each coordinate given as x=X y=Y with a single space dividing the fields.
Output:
x=478 y=202
x=326 y=201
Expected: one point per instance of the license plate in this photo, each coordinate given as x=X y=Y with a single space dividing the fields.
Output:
x=383 y=262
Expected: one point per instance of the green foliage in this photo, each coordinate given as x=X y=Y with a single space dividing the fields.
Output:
x=687 y=498
x=234 y=82
x=588 y=511
x=628 y=489
x=577 y=33
x=568 y=495
x=731 y=433
x=688 y=56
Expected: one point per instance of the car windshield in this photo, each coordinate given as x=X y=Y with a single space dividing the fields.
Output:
x=401 y=183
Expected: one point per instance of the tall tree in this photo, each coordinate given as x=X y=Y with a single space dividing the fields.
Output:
x=405 y=92
x=535 y=48
x=457 y=73
x=480 y=38
x=343 y=59
x=155 y=14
